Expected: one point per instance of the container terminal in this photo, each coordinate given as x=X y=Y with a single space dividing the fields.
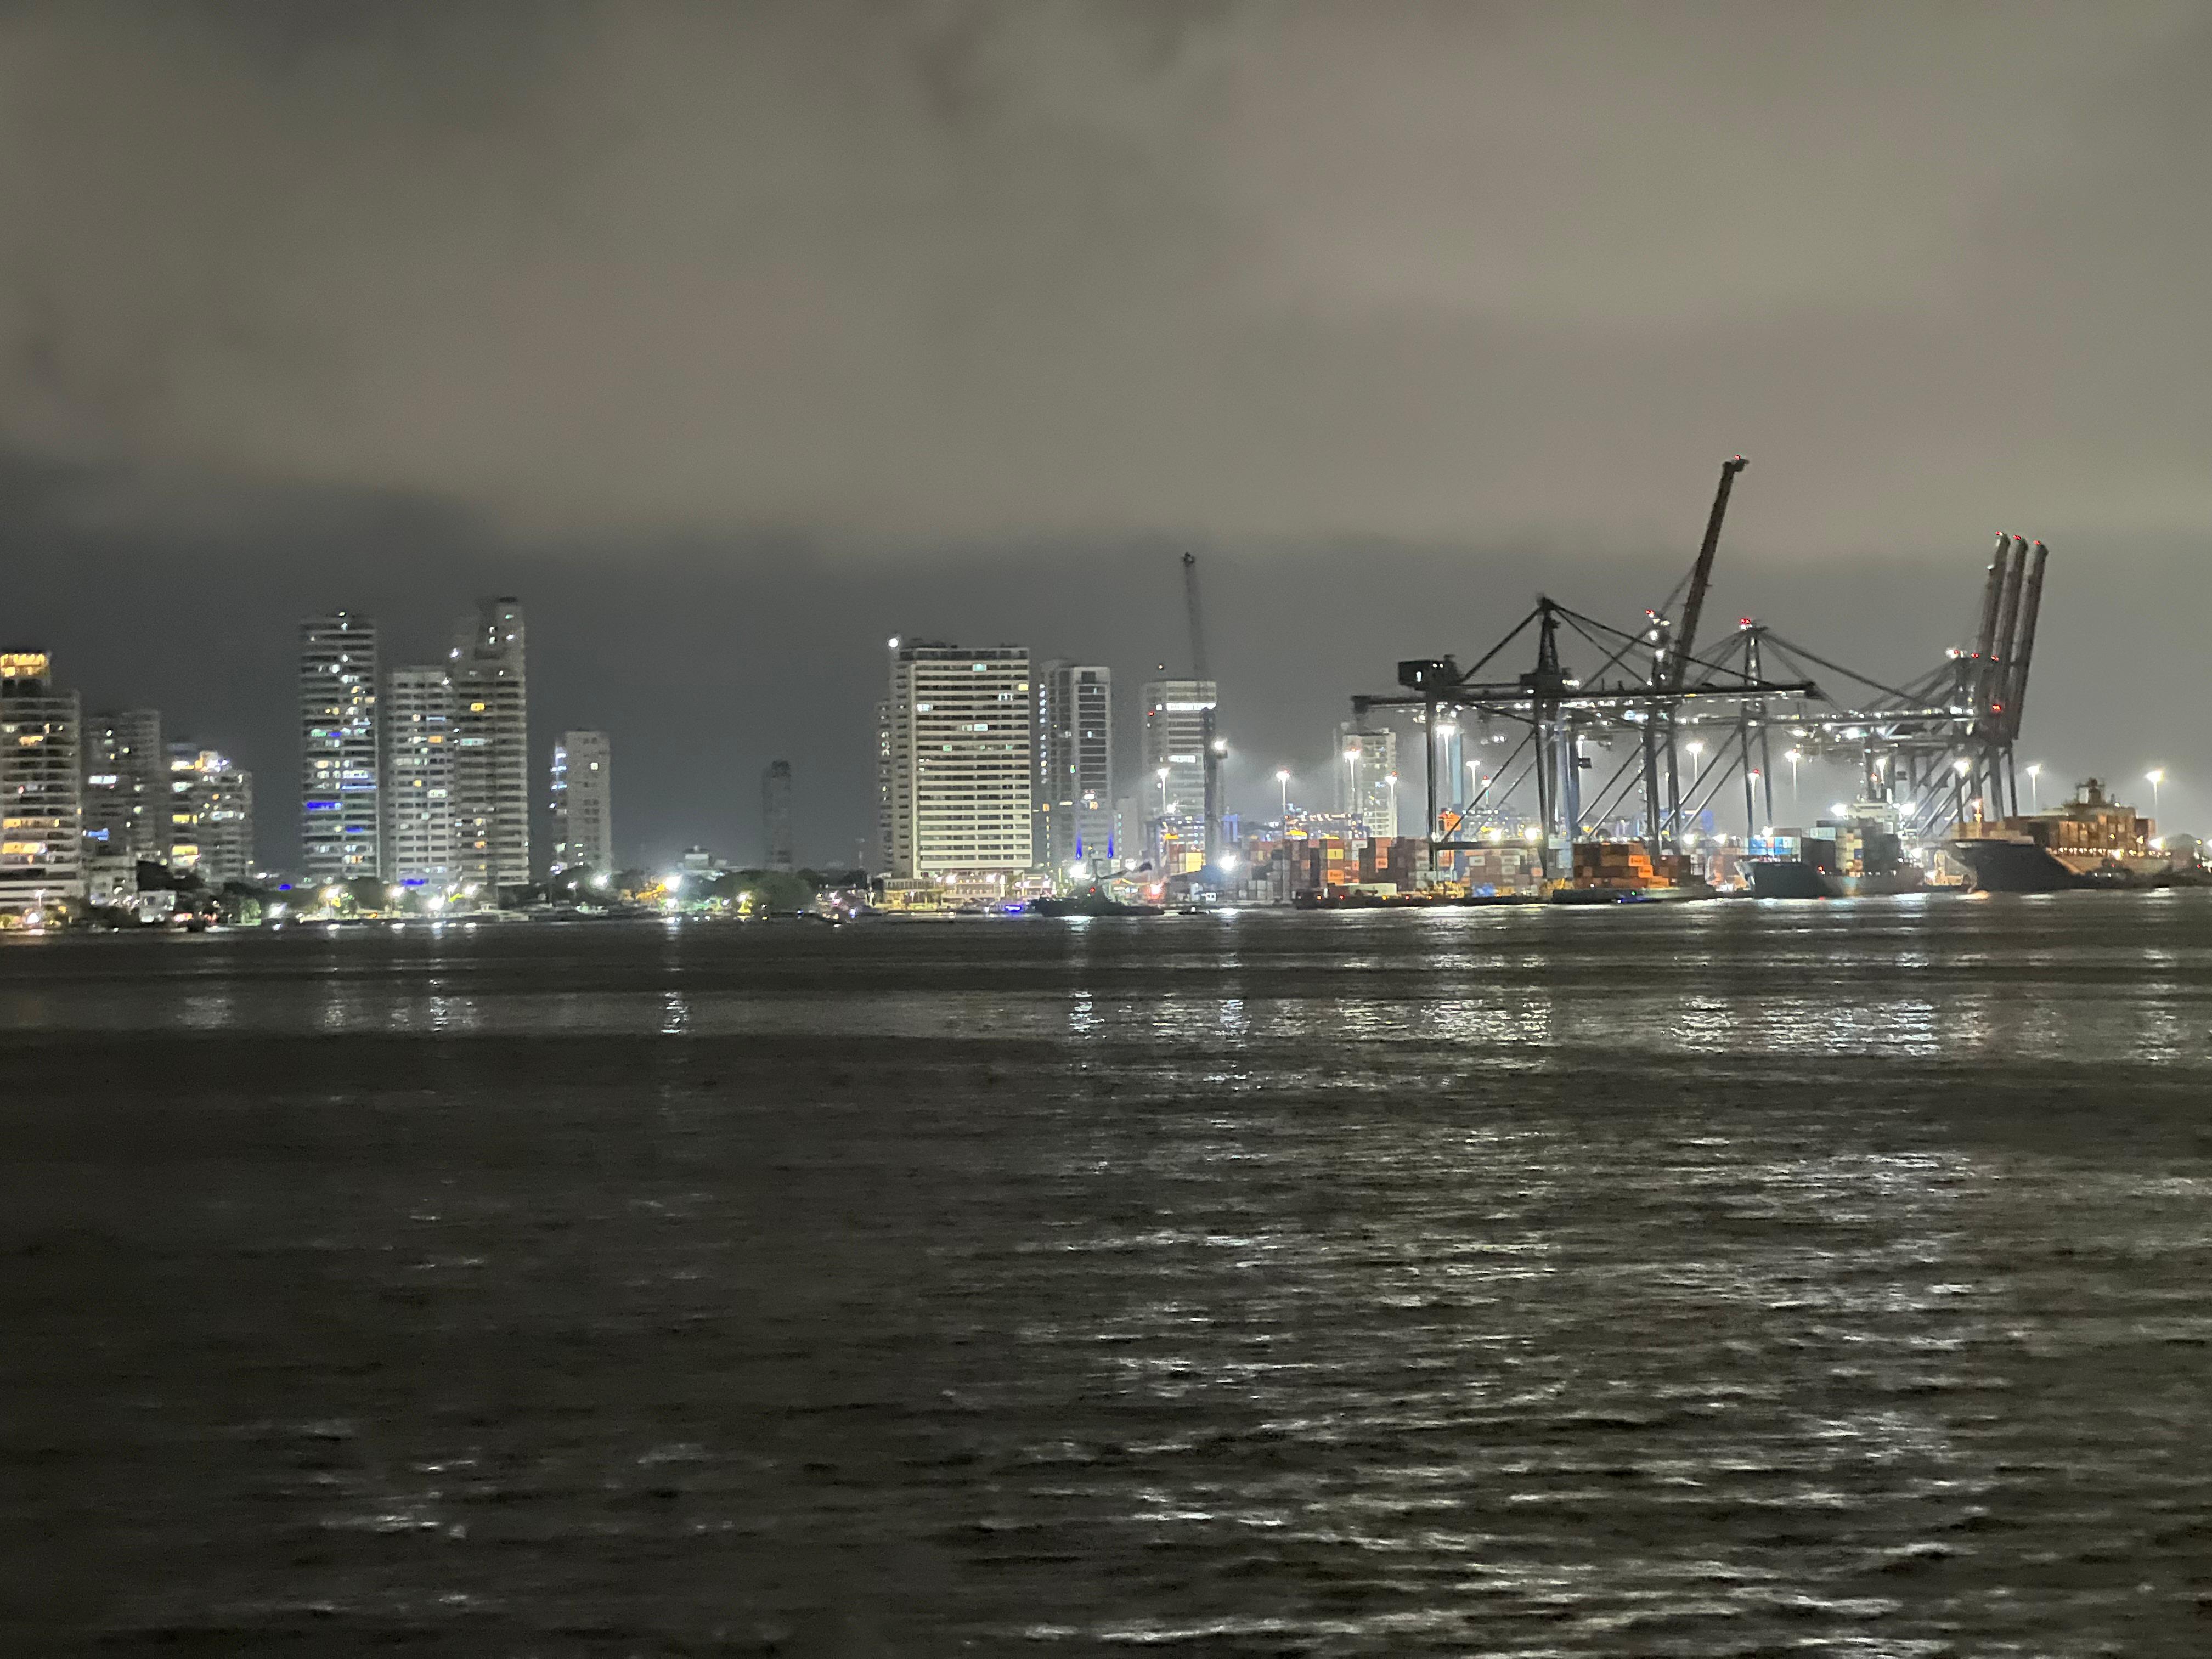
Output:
x=1583 y=751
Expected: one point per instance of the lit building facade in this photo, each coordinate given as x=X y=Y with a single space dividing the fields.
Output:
x=1178 y=722
x=126 y=786
x=41 y=786
x=775 y=815
x=1073 y=818
x=1367 y=778
x=419 y=752
x=583 y=802
x=340 y=828
x=210 y=815
x=959 y=765
x=491 y=726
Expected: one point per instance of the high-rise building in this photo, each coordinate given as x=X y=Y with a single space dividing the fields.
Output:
x=957 y=780
x=1367 y=777
x=126 y=786
x=210 y=815
x=41 y=786
x=1178 y=723
x=419 y=758
x=340 y=826
x=1073 y=818
x=775 y=815
x=884 y=782
x=583 y=802
x=491 y=724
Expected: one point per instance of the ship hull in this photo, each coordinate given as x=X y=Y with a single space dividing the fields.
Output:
x=2016 y=866
x=1795 y=878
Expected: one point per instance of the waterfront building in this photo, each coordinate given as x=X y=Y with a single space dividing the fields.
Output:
x=1367 y=777
x=883 y=784
x=41 y=786
x=1072 y=821
x=210 y=815
x=126 y=786
x=419 y=833
x=340 y=826
x=491 y=726
x=957 y=777
x=1178 y=724
x=583 y=802
x=775 y=815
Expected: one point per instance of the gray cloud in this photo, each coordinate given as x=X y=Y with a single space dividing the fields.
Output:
x=1431 y=272
x=818 y=322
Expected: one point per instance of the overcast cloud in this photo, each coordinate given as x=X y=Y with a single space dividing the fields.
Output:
x=737 y=290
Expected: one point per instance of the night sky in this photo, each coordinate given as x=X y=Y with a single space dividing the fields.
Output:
x=734 y=340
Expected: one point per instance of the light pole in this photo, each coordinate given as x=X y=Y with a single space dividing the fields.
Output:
x=2155 y=777
x=1283 y=777
x=2034 y=795
x=1793 y=755
x=1392 y=780
x=1163 y=776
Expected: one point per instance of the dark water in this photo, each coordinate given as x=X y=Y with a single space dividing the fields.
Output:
x=1723 y=1279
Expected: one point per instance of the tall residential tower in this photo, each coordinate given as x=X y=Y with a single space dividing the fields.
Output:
x=419 y=757
x=775 y=815
x=340 y=825
x=958 y=764
x=1177 y=721
x=1073 y=821
x=583 y=802
x=126 y=785
x=41 y=787
x=491 y=723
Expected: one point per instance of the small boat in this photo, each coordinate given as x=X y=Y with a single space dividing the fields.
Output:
x=1093 y=901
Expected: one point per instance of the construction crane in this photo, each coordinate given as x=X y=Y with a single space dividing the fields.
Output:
x=1701 y=575
x=1671 y=664
x=1210 y=746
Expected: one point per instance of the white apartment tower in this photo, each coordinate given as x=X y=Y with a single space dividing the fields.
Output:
x=491 y=724
x=126 y=785
x=340 y=827
x=419 y=759
x=211 y=814
x=1367 y=777
x=41 y=786
x=957 y=762
x=583 y=802
x=1074 y=819
x=1178 y=717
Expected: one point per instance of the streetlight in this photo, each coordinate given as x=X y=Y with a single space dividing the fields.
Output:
x=1163 y=776
x=1696 y=769
x=1283 y=777
x=1392 y=780
x=2155 y=777
x=1793 y=755
x=2034 y=795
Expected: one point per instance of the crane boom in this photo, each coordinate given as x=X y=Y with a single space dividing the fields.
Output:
x=1701 y=575
x=1197 y=621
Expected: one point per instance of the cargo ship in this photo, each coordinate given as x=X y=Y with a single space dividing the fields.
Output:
x=2091 y=841
x=1857 y=856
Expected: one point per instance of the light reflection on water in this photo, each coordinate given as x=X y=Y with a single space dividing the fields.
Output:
x=1820 y=1278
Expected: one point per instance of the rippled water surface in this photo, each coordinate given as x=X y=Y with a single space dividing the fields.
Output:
x=1725 y=1278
